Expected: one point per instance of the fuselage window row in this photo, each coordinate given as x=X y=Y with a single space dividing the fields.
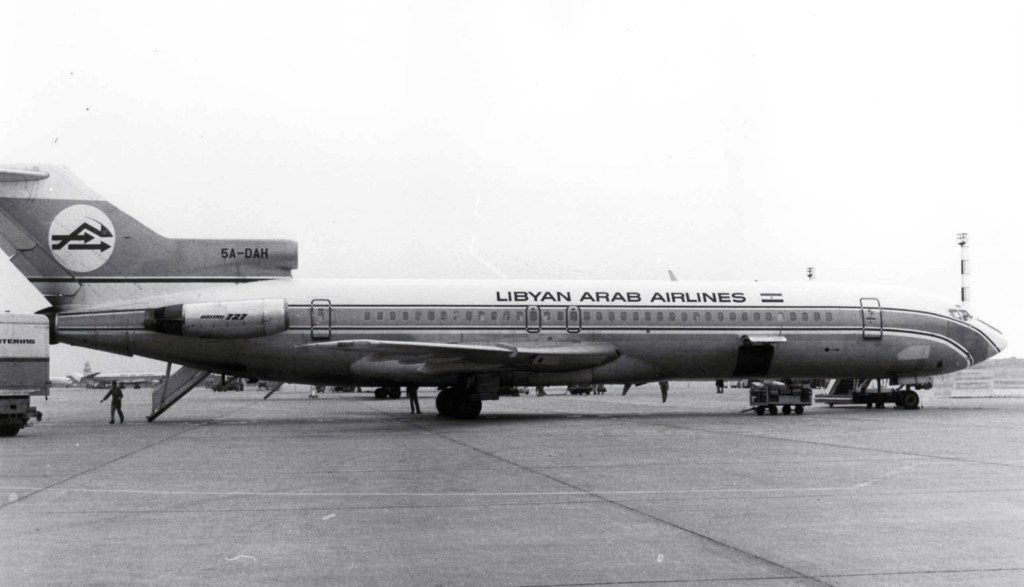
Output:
x=505 y=318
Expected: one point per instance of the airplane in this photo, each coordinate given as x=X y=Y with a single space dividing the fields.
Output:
x=62 y=381
x=231 y=306
x=94 y=379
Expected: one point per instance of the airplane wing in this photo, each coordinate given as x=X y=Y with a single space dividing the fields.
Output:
x=392 y=357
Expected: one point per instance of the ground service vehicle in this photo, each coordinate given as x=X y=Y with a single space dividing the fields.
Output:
x=24 y=369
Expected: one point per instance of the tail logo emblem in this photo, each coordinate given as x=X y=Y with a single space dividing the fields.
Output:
x=82 y=238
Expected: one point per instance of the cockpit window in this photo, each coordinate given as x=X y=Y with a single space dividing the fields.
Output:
x=960 y=314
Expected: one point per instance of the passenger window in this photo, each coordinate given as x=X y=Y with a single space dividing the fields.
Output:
x=419 y=315
x=768 y=316
x=405 y=316
x=611 y=316
x=672 y=316
x=707 y=317
x=792 y=316
x=586 y=316
x=803 y=316
x=828 y=316
x=366 y=316
x=444 y=315
x=623 y=316
x=600 y=316
x=380 y=316
x=743 y=316
x=430 y=315
x=636 y=316
x=392 y=316
x=757 y=316
x=507 y=316
x=732 y=316
x=547 y=315
x=683 y=316
x=696 y=316
x=560 y=316
x=519 y=315
x=469 y=315
x=661 y=316
x=817 y=316
x=721 y=316
x=494 y=316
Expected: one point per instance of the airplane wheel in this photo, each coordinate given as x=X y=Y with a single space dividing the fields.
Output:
x=911 y=400
x=760 y=410
x=773 y=410
x=786 y=410
x=379 y=393
x=468 y=407
x=440 y=402
x=395 y=392
x=9 y=430
x=799 y=410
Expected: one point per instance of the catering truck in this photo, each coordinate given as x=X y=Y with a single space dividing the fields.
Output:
x=24 y=369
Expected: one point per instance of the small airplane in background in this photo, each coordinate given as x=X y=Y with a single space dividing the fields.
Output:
x=94 y=379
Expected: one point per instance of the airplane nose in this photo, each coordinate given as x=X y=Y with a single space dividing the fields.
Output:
x=998 y=340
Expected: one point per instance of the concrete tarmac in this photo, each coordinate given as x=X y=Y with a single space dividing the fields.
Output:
x=228 y=489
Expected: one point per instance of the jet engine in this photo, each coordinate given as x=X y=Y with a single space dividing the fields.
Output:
x=243 y=319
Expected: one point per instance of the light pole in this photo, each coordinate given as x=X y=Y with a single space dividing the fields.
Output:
x=965 y=293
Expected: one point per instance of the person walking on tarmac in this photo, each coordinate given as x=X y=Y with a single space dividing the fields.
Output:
x=720 y=385
x=414 y=398
x=664 y=390
x=115 y=394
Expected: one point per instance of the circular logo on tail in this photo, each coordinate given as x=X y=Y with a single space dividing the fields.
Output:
x=82 y=238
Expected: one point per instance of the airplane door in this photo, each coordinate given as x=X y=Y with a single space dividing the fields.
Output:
x=871 y=312
x=572 y=319
x=533 y=319
x=320 y=319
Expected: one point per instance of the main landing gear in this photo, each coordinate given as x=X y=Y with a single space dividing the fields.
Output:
x=458 y=402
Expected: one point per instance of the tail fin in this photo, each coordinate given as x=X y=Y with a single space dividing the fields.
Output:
x=63 y=236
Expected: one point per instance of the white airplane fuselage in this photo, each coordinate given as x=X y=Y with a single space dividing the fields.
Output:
x=656 y=330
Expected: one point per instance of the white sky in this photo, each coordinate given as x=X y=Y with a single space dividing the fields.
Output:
x=740 y=140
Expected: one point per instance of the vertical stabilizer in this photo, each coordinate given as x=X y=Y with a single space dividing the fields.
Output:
x=64 y=237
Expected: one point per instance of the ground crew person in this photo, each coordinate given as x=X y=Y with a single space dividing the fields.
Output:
x=664 y=390
x=414 y=398
x=719 y=385
x=115 y=394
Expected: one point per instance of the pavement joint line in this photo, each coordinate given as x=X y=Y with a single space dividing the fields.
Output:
x=936 y=572
x=727 y=580
x=577 y=492
x=122 y=457
x=795 y=574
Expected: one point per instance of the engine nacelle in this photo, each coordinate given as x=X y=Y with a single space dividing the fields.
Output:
x=243 y=319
